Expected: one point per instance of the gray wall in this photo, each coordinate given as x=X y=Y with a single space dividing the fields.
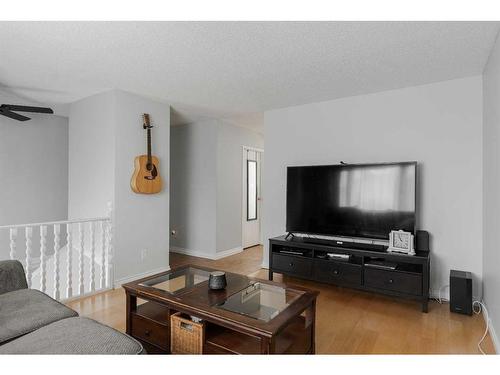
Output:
x=33 y=174
x=206 y=186
x=141 y=220
x=106 y=135
x=439 y=125
x=230 y=140
x=193 y=186
x=91 y=156
x=491 y=188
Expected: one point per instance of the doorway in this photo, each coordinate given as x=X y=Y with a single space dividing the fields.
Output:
x=252 y=197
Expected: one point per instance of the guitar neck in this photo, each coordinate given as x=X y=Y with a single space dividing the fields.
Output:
x=149 y=146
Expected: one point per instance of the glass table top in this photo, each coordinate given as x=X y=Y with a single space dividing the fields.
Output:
x=178 y=281
x=260 y=301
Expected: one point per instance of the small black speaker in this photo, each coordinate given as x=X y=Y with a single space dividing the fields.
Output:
x=461 y=292
x=422 y=241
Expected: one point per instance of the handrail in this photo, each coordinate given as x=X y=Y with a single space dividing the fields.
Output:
x=84 y=238
x=105 y=218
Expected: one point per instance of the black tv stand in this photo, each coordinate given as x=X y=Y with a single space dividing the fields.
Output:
x=398 y=275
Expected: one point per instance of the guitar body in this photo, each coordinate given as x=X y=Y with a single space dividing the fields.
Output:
x=144 y=180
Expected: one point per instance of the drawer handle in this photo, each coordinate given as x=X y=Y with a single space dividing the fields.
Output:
x=335 y=272
x=391 y=281
x=147 y=333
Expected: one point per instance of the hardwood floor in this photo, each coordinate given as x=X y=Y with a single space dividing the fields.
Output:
x=348 y=321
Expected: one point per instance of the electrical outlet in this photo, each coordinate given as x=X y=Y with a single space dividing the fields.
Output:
x=144 y=253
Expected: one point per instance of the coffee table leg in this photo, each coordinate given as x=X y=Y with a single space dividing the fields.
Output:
x=267 y=346
x=131 y=307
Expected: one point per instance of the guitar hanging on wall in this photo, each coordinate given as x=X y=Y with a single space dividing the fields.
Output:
x=146 y=179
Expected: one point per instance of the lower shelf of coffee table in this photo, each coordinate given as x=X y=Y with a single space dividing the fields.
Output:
x=292 y=340
x=220 y=340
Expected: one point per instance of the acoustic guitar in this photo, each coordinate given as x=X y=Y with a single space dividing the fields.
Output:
x=146 y=179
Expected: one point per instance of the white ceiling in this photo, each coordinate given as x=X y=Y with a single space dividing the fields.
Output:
x=235 y=70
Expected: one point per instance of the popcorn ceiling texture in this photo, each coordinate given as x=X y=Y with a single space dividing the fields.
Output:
x=236 y=70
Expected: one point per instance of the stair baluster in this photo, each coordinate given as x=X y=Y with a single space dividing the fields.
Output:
x=43 y=258
x=69 y=249
x=13 y=245
x=57 y=245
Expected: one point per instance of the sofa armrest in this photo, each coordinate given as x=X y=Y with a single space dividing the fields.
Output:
x=12 y=276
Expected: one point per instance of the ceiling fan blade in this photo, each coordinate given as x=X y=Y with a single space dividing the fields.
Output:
x=13 y=115
x=24 y=108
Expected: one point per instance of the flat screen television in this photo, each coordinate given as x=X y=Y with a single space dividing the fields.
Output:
x=351 y=200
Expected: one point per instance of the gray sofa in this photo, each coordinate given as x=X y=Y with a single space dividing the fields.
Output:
x=33 y=323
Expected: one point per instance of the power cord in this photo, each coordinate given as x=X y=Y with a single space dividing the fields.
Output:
x=482 y=308
x=477 y=307
x=439 y=299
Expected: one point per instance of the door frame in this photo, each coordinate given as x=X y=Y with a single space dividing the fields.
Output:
x=244 y=150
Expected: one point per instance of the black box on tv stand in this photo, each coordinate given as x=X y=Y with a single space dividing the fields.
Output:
x=346 y=244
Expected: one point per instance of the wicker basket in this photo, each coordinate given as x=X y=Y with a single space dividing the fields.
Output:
x=187 y=337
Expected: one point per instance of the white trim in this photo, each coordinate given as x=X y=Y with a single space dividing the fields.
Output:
x=244 y=150
x=193 y=253
x=229 y=252
x=253 y=148
x=128 y=279
x=493 y=334
x=85 y=295
x=73 y=221
x=494 y=338
x=201 y=254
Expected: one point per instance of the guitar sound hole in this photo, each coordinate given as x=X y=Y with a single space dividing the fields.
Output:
x=149 y=166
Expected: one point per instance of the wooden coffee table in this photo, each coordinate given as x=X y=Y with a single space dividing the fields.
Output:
x=250 y=316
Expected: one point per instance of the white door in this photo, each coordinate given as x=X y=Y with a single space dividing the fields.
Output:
x=252 y=162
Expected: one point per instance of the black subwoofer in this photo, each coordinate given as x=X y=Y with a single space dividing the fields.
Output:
x=461 y=292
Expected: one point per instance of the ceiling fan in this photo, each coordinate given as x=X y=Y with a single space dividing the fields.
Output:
x=9 y=110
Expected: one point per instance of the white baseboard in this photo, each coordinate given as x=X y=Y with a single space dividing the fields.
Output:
x=84 y=295
x=493 y=334
x=128 y=279
x=494 y=338
x=229 y=252
x=201 y=254
x=193 y=253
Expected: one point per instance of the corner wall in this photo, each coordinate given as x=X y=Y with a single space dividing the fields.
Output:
x=207 y=174
x=106 y=135
x=491 y=189
x=439 y=125
x=230 y=142
x=141 y=220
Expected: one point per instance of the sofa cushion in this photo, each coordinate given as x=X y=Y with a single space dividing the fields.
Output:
x=11 y=276
x=74 y=336
x=26 y=310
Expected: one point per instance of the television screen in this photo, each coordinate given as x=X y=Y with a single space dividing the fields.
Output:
x=361 y=200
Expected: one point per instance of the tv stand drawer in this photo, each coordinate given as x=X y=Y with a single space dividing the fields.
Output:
x=292 y=265
x=337 y=272
x=395 y=281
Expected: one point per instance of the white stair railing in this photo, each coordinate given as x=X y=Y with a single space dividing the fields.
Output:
x=55 y=279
